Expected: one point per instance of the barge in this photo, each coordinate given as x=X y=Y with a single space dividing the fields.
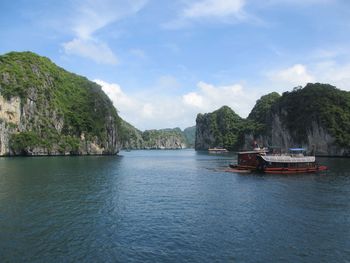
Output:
x=262 y=161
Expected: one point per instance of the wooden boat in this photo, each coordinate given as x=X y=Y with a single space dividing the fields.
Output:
x=217 y=150
x=292 y=163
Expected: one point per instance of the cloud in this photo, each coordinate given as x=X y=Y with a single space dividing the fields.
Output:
x=91 y=16
x=92 y=49
x=333 y=73
x=210 y=97
x=322 y=70
x=299 y=2
x=296 y=75
x=213 y=8
x=210 y=10
x=193 y=99
x=121 y=101
x=145 y=111
x=155 y=111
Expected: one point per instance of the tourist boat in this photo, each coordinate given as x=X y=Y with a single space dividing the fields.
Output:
x=217 y=150
x=293 y=162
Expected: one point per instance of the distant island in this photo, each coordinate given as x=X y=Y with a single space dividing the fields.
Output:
x=133 y=138
x=316 y=117
x=46 y=110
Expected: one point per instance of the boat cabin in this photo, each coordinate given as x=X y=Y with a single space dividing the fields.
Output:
x=249 y=159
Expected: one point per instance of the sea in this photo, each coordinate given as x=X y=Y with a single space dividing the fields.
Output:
x=170 y=206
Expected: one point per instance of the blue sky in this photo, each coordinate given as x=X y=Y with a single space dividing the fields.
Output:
x=162 y=62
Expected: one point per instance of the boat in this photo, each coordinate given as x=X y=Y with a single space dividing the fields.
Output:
x=217 y=150
x=262 y=160
x=294 y=162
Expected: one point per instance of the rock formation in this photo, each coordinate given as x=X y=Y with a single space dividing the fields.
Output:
x=45 y=110
x=316 y=117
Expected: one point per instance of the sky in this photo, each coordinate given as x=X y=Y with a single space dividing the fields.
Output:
x=163 y=62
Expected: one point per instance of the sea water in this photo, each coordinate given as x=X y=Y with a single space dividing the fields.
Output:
x=170 y=206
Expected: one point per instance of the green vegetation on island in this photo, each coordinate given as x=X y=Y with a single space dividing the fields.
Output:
x=153 y=139
x=59 y=109
x=317 y=115
x=220 y=128
x=318 y=103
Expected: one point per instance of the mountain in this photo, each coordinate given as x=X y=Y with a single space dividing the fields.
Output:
x=131 y=137
x=152 y=139
x=46 y=110
x=164 y=139
x=316 y=117
x=190 y=135
x=219 y=128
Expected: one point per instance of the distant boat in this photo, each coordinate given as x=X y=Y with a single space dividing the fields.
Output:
x=293 y=162
x=217 y=150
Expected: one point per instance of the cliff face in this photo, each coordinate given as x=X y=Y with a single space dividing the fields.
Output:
x=317 y=140
x=45 y=110
x=316 y=117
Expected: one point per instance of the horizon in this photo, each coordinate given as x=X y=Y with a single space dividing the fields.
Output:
x=163 y=63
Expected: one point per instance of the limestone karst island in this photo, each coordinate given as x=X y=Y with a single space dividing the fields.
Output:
x=46 y=110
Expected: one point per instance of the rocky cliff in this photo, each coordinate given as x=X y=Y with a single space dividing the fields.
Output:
x=45 y=110
x=316 y=117
x=164 y=139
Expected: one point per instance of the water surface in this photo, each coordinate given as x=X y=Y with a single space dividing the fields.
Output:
x=169 y=206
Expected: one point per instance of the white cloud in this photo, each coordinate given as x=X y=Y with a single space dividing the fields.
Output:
x=296 y=75
x=210 y=97
x=299 y=2
x=91 y=16
x=155 y=111
x=147 y=111
x=210 y=10
x=92 y=49
x=120 y=100
x=193 y=99
x=333 y=73
x=214 y=8
x=324 y=70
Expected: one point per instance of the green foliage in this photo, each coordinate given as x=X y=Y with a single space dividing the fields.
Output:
x=262 y=107
x=316 y=103
x=57 y=94
x=130 y=137
x=25 y=140
x=320 y=104
x=152 y=138
x=69 y=144
x=224 y=126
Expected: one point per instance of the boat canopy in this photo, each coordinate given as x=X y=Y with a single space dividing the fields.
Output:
x=254 y=151
x=288 y=159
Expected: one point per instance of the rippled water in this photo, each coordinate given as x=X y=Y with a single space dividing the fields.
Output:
x=169 y=206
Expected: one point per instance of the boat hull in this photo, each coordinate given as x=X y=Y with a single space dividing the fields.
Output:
x=294 y=170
